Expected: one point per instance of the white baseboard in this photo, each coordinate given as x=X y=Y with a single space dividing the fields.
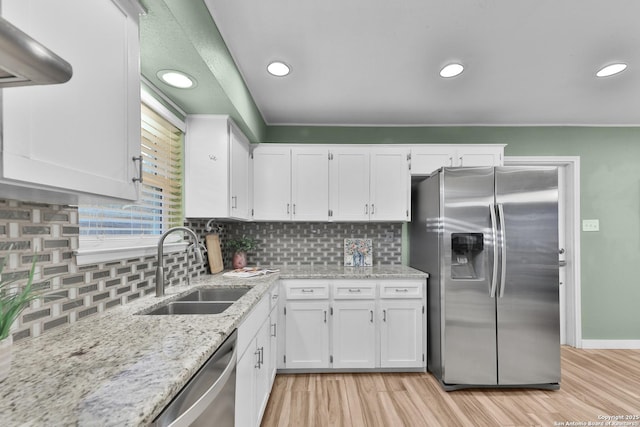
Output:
x=611 y=344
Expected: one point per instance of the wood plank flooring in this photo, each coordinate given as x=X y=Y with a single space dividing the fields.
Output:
x=595 y=383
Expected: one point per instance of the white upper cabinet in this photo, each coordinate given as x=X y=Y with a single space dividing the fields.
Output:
x=78 y=137
x=310 y=183
x=369 y=184
x=390 y=190
x=480 y=155
x=349 y=184
x=426 y=159
x=217 y=169
x=271 y=183
x=240 y=185
x=291 y=183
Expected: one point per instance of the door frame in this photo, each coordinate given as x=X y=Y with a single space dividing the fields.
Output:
x=573 y=307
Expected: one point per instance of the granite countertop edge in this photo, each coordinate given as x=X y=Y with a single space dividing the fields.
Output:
x=121 y=368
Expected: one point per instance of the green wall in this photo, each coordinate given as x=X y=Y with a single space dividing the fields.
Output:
x=610 y=192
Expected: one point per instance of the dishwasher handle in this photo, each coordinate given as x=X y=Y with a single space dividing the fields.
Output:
x=195 y=410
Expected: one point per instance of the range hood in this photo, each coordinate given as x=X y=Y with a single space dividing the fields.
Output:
x=24 y=61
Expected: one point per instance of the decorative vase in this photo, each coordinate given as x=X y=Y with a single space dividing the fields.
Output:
x=239 y=260
x=5 y=357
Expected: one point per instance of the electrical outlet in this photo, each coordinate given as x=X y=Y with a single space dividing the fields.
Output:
x=590 y=225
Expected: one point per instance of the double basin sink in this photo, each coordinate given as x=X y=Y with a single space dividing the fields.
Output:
x=202 y=301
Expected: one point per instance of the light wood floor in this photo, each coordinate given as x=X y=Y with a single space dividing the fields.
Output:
x=594 y=383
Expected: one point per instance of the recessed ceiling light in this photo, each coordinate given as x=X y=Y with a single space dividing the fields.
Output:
x=611 y=69
x=451 y=70
x=278 y=69
x=176 y=79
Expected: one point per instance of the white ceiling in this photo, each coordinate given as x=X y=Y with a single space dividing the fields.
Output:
x=376 y=62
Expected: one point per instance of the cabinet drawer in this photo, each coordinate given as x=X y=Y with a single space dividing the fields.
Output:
x=354 y=289
x=307 y=289
x=402 y=289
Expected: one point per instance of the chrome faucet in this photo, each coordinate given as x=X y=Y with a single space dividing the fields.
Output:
x=160 y=267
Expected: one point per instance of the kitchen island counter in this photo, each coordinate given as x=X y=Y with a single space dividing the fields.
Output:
x=121 y=368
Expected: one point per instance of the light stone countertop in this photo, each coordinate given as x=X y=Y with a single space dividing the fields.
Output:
x=120 y=368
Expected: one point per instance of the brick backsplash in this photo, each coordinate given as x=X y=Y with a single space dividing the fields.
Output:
x=309 y=243
x=72 y=293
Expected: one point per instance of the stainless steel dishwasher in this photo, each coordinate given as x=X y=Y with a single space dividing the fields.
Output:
x=208 y=399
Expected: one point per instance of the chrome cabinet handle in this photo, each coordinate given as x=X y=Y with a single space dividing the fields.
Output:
x=366 y=209
x=274 y=329
x=373 y=209
x=325 y=316
x=138 y=178
x=257 y=354
x=371 y=311
x=234 y=202
x=294 y=208
x=357 y=291
x=384 y=315
x=402 y=290
x=307 y=291
x=288 y=206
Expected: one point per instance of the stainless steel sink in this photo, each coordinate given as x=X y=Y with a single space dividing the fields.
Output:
x=191 y=307
x=215 y=294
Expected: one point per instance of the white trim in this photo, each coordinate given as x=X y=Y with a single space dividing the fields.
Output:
x=574 y=309
x=611 y=344
x=147 y=97
x=95 y=256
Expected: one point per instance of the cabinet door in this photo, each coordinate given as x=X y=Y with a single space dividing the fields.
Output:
x=401 y=334
x=263 y=371
x=353 y=334
x=273 y=346
x=349 y=183
x=428 y=158
x=390 y=185
x=207 y=166
x=482 y=155
x=310 y=184
x=271 y=183
x=307 y=335
x=239 y=204
x=246 y=405
x=80 y=135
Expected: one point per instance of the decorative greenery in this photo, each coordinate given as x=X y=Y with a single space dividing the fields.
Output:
x=14 y=299
x=244 y=244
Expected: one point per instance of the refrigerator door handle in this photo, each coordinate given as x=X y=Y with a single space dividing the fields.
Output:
x=494 y=231
x=503 y=246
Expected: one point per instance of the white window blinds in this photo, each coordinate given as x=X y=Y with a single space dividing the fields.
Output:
x=160 y=204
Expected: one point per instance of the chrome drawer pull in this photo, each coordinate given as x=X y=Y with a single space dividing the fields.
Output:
x=355 y=290
x=402 y=290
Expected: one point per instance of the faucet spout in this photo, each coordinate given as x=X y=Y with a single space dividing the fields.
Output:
x=160 y=268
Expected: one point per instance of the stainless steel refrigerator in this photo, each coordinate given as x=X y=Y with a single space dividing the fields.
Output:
x=488 y=237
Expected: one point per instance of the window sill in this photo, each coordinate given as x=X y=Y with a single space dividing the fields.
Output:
x=95 y=256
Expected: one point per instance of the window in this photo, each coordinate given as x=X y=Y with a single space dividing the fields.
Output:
x=113 y=227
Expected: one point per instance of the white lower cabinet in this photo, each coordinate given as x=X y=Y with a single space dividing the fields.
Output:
x=354 y=334
x=401 y=333
x=306 y=334
x=353 y=324
x=255 y=365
